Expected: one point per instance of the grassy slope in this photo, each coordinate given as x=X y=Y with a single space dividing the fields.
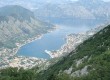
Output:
x=97 y=50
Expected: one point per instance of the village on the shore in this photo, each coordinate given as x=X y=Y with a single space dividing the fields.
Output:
x=8 y=57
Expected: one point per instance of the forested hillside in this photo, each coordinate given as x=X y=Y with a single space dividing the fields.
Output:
x=89 y=61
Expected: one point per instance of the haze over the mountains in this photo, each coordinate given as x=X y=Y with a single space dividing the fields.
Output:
x=14 y=23
x=82 y=9
x=44 y=40
x=55 y=10
x=59 y=9
x=32 y=3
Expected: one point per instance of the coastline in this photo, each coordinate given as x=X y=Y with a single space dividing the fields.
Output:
x=27 y=42
x=19 y=45
x=72 y=41
x=10 y=59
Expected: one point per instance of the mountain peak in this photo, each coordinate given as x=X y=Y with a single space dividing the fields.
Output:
x=16 y=11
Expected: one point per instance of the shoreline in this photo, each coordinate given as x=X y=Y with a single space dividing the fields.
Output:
x=11 y=59
x=9 y=56
x=27 y=42
x=19 y=45
x=72 y=41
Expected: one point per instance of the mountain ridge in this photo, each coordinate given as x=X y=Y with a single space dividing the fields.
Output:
x=88 y=61
x=17 y=21
x=94 y=9
x=17 y=12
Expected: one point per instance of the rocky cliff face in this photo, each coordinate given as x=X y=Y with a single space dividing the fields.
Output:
x=17 y=24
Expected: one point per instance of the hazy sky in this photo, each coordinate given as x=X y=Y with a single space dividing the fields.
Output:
x=106 y=0
x=103 y=0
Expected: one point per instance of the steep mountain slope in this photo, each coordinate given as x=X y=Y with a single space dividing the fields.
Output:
x=90 y=60
x=16 y=12
x=98 y=8
x=51 y=10
x=18 y=24
x=90 y=9
x=81 y=9
x=66 y=10
x=73 y=40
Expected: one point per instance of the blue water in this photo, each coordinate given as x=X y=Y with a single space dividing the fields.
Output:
x=51 y=41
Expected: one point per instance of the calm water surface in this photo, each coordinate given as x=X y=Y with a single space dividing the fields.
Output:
x=50 y=41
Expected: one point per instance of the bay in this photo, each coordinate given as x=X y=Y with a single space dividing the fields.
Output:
x=53 y=40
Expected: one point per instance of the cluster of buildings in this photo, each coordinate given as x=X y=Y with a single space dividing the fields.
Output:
x=72 y=41
x=20 y=61
x=8 y=57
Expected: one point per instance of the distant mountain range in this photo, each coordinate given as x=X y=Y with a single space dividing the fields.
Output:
x=17 y=24
x=59 y=9
x=89 y=61
x=16 y=12
x=82 y=9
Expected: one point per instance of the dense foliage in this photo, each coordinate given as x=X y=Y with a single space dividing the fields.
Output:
x=17 y=74
x=97 y=52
